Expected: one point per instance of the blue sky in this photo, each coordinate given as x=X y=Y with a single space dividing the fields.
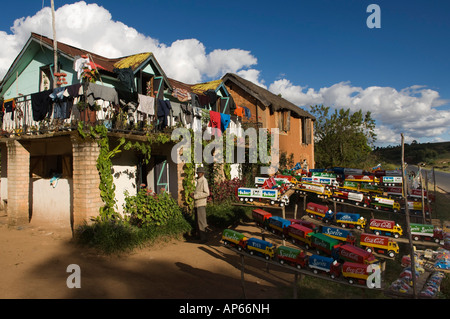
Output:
x=312 y=52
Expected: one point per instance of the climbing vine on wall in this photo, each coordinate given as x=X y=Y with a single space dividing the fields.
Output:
x=99 y=133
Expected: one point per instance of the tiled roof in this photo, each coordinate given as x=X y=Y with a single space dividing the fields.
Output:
x=109 y=64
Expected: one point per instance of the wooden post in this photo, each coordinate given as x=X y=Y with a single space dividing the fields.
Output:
x=434 y=182
x=295 y=285
x=423 y=200
x=428 y=195
x=55 y=46
x=408 y=227
x=284 y=216
x=295 y=210
x=242 y=276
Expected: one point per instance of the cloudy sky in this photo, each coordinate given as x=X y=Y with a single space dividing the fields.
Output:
x=312 y=52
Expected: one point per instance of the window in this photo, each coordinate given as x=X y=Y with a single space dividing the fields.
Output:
x=46 y=78
x=49 y=166
x=306 y=131
x=284 y=121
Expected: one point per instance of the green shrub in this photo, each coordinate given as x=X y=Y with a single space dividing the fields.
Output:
x=148 y=217
x=224 y=214
x=147 y=209
x=109 y=236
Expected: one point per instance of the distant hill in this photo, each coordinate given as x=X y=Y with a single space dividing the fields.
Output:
x=426 y=154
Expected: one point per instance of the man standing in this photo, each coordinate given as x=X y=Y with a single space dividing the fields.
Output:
x=200 y=196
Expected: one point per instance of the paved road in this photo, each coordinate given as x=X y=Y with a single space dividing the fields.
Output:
x=442 y=178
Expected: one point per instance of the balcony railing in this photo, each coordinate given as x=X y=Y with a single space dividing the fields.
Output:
x=118 y=119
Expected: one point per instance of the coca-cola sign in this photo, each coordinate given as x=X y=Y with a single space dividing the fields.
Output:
x=375 y=240
x=349 y=255
x=357 y=270
x=379 y=223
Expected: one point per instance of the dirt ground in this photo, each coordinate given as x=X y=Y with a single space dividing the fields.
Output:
x=34 y=261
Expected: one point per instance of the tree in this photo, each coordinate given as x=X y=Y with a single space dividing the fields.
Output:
x=342 y=138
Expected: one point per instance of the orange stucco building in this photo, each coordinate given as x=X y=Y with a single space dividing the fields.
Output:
x=272 y=111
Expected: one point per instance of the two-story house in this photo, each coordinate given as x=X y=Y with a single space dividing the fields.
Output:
x=49 y=172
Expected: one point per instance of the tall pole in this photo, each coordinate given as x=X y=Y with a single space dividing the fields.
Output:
x=55 y=46
x=408 y=227
x=423 y=199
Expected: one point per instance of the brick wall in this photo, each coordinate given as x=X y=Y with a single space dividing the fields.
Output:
x=18 y=183
x=86 y=179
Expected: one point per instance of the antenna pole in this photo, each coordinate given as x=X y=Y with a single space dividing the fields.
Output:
x=55 y=46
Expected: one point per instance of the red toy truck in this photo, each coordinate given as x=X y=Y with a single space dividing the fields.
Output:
x=355 y=272
x=385 y=227
x=354 y=254
x=292 y=256
x=319 y=212
x=379 y=244
x=261 y=217
x=299 y=233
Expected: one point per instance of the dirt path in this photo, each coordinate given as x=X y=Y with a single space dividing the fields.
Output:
x=34 y=260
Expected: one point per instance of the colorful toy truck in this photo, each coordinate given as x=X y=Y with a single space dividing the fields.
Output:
x=352 y=253
x=426 y=232
x=261 y=217
x=292 y=256
x=260 y=247
x=351 y=197
x=324 y=178
x=270 y=195
x=305 y=223
x=340 y=234
x=328 y=265
x=320 y=190
x=355 y=272
x=385 y=227
x=299 y=234
x=379 y=244
x=391 y=180
x=234 y=239
x=319 y=212
x=350 y=220
x=385 y=203
x=323 y=243
x=278 y=224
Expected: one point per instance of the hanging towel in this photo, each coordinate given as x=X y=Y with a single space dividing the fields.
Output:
x=203 y=100
x=41 y=104
x=181 y=94
x=164 y=108
x=97 y=91
x=224 y=121
x=188 y=113
x=126 y=76
x=146 y=104
x=247 y=112
x=79 y=64
x=239 y=111
x=215 y=122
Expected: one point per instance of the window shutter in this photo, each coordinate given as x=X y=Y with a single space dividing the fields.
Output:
x=288 y=121
x=308 y=131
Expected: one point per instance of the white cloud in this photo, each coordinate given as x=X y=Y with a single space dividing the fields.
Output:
x=252 y=75
x=411 y=111
x=78 y=24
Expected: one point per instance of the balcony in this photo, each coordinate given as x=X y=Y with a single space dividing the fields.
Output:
x=124 y=118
